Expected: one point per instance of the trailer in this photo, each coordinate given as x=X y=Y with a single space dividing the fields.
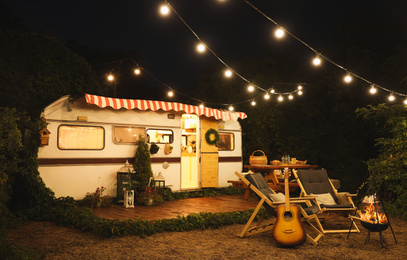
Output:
x=91 y=137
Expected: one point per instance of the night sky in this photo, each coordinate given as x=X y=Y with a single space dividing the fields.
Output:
x=230 y=27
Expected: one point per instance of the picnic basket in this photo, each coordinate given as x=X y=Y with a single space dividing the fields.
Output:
x=258 y=159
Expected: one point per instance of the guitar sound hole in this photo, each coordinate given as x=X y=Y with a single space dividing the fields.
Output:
x=288 y=215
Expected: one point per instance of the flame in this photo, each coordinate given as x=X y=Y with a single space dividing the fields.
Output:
x=371 y=211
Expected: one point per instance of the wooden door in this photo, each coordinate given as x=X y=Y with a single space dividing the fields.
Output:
x=209 y=155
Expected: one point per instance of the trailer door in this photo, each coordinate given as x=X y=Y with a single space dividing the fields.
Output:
x=209 y=155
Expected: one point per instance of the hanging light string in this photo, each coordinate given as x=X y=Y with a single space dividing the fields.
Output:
x=218 y=57
x=326 y=58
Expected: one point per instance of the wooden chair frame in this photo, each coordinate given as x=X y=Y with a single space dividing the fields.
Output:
x=250 y=229
x=329 y=213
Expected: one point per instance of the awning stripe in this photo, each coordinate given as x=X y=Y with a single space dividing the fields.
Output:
x=117 y=103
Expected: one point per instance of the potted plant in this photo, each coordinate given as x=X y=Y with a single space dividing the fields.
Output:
x=97 y=199
x=150 y=197
x=142 y=165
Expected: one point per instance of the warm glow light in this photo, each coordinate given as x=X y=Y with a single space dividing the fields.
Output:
x=231 y=108
x=170 y=93
x=347 y=78
x=316 y=61
x=250 y=88
x=201 y=106
x=290 y=97
x=405 y=101
x=392 y=97
x=299 y=92
x=299 y=87
x=272 y=91
x=110 y=77
x=267 y=96
x=372 y=90
x=254 y=102
x=228 y=73
x=200 y=47
x=280 y=98
x=279 y=33
x=164 y=10
x=137 y=71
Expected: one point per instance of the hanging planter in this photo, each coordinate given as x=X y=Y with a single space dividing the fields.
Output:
x=154 y=148
x=212 y=136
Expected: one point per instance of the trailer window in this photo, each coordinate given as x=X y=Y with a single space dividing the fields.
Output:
x=226 y=142
x=127 y=135
x=72 y=137
x=160 y=136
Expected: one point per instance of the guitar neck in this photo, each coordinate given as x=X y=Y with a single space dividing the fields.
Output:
x=286 y=189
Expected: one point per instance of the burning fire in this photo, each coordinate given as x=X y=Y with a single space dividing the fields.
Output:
x=371 y=211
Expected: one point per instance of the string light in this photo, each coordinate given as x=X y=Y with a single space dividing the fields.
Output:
x=392 y=97
x=316 y=61
x=137 y=71
x=280 y=98
x=299 y=92
x=231 y=108
x=200 y=47
x=405 y=101
x=228 y=73
x=250 y=88
x=272 y=91
x=290 y=97
x=372 y=90
x=164 y=10
x=170 y=93
x=201 y=106
x=267 y=96
x=110 y=77
x=347 y=78
x=279 y=33
x=253 y=103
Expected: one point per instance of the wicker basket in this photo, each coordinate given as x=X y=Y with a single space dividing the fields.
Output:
x=258 y=160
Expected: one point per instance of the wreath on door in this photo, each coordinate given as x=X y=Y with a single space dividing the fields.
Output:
x=208 y=136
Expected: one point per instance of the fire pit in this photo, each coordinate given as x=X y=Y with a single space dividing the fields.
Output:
x=373 y=217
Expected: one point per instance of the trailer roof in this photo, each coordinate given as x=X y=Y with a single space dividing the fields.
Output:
x=118 y=103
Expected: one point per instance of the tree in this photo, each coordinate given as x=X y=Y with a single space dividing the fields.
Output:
x=142 y=165
x=389 y=168
x=38 y=69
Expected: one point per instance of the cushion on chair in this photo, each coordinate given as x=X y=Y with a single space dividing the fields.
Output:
x=324 y=198
x=277 y=197
x=316 y=181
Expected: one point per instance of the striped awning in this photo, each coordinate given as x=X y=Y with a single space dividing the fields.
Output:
x=118 y=103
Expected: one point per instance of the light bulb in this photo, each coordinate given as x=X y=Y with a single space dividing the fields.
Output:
x=279 y=33
x=347 y=78
x=299 y=87
x=137 y=71
x=164 y=10
x=405 y=101
x=272 y=91
x=231 y=108
x=290 y=97
x=110 y=77
x=299 y=92
x=372 y=90
x=392 y=97
x=201 y=106
x=316 y=61
x=250 y=88
x=200 y=47
x=253 y=103
x=228 y=73
x=280 y=98
x=170 y=93
x=267 y=96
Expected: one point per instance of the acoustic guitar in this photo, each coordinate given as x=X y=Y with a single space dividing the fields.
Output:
x=288 y=229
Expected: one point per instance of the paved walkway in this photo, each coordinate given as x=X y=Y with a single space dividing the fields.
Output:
x=182 y=207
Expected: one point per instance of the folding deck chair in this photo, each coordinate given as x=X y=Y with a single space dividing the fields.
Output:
x=329 y=202
x=269 y=199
